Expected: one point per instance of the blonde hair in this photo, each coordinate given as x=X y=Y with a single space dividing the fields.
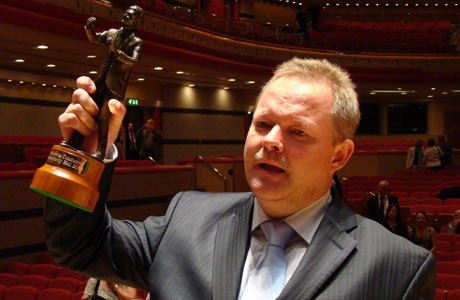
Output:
x=345 y=106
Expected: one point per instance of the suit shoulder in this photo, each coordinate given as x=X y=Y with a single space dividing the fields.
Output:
x=373 y=235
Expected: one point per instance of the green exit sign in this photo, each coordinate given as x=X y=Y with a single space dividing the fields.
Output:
x=133 y=101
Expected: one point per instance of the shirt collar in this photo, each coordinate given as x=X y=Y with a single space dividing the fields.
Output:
x=304 y=222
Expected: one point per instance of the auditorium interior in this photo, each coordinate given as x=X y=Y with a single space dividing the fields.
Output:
x=203 y=65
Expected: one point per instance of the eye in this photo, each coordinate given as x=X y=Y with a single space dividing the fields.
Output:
x=262 y=124
x=299 y=133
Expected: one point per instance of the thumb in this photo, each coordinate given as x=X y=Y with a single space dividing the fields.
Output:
x=118 y=111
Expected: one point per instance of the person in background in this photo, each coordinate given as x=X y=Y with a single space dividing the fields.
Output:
x=446 y=157
x=432 y=156
x=422 y=233
x=132 y=150
x=414 y=159
x=453 y=226
x=394 y=222
x=151 y=142
x=377 y=206
x=109 y=290
x=303 y=22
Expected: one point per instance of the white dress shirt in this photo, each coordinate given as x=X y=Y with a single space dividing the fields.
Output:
x=305 y=223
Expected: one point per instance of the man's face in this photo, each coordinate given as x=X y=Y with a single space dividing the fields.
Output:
x=383 y=188
x=131 y=127
x=289 y=152
x=457 y=215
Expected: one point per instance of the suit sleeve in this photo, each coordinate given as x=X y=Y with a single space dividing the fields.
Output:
x=98 y=246
x=423 y=284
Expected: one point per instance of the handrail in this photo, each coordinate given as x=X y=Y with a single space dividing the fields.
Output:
x=203 y=160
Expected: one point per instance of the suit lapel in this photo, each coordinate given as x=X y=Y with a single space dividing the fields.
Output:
x=232 y=243
x=329 y=248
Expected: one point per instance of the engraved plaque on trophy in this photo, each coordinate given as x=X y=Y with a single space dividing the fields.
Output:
x=69 y=174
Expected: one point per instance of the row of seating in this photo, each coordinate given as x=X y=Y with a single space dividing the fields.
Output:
x=31 y=293
x=41 y=282
x=43 y=269
x=453 y=294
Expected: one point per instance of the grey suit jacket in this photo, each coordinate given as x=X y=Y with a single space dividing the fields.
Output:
x=198 y=249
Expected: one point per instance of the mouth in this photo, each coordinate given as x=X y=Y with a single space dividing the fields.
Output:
x=271 y=168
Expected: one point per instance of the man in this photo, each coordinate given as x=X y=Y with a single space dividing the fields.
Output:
x=446 y=157
x=123 y=51
x=377 y=205
x=210 y=246
x=151 y=141
x=453 y=227
x=303 y=22
x=132 y=151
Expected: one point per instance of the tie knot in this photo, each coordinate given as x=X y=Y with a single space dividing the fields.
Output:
x=277 y=233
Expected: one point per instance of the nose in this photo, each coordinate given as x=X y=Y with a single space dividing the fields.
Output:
x=273 y=141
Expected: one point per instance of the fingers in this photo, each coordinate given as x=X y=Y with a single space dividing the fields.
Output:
x=118 y=111
x=79 y=115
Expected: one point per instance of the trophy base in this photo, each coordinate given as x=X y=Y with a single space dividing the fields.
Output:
x=71 y=177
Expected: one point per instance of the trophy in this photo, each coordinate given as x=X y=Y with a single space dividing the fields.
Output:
x=69 y=174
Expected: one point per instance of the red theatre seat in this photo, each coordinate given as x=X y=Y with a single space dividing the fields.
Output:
x=77 y=295
x=66 y=273
x=54 y=294
x=17 y=268
x=2 y=291
x=45 y=258
x=8 y=279
x=439 y=295
x=454 y=294
x=448 y=267
x=45 y=270
x=68 y=284
x=453 y=256
x=21 y=293
x=447 y=282
x=36 y=281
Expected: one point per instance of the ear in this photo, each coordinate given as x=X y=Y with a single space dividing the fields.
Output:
x=342 y=154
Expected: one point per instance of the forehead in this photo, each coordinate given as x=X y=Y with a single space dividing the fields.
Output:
x=290 y=94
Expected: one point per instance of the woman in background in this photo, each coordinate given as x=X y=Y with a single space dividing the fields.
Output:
x=423 y=234
x=394 y=222
x=432 y=156
x=414 y=159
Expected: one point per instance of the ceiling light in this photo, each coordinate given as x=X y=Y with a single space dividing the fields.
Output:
x=19 y=60
x=357 y=4
x=348 y=4
x=430 y=96
x=337 y=4
x=455 y=91
x=446 y=4
x=376 y=4
x=436 y=4
x=403 y=93
x=386 y=4
x=390 y=91
x=21 y=82
x=226 y=88
x=250 y=82
x=407 y=4
x=91 y=56
x=42 y=47
x=433 y=89
x=327 y=4
x=367 y=4
x=416 y=4
x=396 y=4
x=444 y=93
x=180 y=72
x=158 y=68
x=54 y=85
x=399 y=89
x=10 y=80
x=92 y=72
x=232 y=79
x=140 y=79
x=191 y=85
x=43 y=84
x=372 y=93
x=51 y=66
